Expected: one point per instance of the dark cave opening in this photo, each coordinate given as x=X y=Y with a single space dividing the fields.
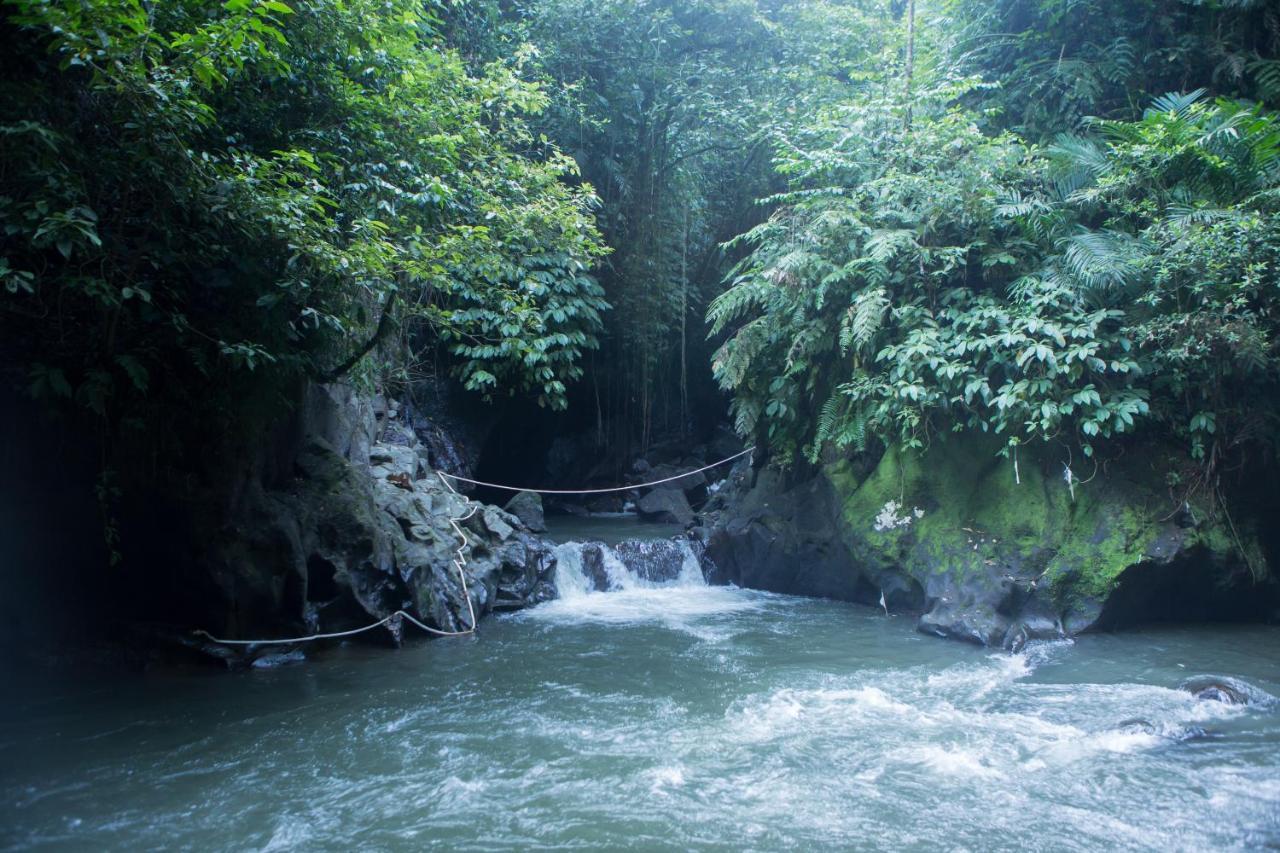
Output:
x=1191 y=589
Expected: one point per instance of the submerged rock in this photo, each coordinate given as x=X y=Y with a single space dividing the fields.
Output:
x=1218 y=689
x=272 y=660
x=1175 y=732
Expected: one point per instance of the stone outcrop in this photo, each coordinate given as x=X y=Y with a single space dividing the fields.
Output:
x=669 y=506
x=984 y=553
x=362 y=528
x=527 y=506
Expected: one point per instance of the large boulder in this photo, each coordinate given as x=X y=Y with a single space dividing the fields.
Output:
x=352 y=537
x=663 y=505
x=987 y=553
x=527 y=506
x=789 y=538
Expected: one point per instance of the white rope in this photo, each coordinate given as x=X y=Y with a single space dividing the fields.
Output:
x=599 y=491
x=329 y=636
x=460 y=562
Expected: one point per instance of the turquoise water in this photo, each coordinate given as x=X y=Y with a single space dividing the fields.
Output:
x=664 y=718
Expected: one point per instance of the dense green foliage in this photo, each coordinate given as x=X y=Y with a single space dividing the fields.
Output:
x=1043 y=219
x=1059 y=62
x=670 y=107
x=927 y=271
x=190 y=191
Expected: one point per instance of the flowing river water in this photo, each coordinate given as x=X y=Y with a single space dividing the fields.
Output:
x=665 y=715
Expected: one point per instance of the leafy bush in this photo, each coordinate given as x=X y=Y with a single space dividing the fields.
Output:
x=192 y=190
x=934 y=277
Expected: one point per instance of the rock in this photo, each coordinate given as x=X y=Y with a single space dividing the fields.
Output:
x=450 y=428
x=499 y=523
x=1177 y=733
x=693 y=485
x=340 y=545
x=980 y=555
x=387 y=460
x=398 y=433
x=593 y=567
x=527 y=506
x=656 y=560
x=1216 y=689
x=576 y=510
x=787 y=538
x=665 y=506
x=271 y=660
x=606 y=503
x=341 y=417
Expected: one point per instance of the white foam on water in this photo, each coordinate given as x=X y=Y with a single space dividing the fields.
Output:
x=847 y=731
x=954 y=761
x=661 y=604
x=290 y=831
x=663 y=778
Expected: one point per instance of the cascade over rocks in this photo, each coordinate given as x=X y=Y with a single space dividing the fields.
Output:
x=597 y=567
x=980 y=556
x=656 y=560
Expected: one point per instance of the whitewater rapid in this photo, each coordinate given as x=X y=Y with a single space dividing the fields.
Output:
x=662 y=713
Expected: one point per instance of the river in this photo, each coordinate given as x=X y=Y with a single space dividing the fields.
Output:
x=664 y=717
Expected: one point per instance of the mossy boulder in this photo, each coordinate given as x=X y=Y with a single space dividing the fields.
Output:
x=995 y=549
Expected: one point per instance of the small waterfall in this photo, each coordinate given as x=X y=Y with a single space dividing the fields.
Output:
x=668 y=562
x=587 y=567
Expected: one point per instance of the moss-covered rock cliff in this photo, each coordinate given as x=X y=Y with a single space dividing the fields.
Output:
x=992 y=550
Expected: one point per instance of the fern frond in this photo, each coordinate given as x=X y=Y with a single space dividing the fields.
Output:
x=1099 y=260
x=733 y=360
x=868 y=314
x=1082 y=154
x=746 y=414
x=1178 y=104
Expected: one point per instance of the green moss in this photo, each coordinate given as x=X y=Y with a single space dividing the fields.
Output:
x=977 y=517
x=1103 y=540
x=976 y=514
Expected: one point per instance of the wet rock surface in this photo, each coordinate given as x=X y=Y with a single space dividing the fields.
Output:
x=356 y=534
x=772 y=535
x=1217 y=688
x=597 y=567
x=980 y=553
x=527 y=506
x=667 y=506
x=656 y=560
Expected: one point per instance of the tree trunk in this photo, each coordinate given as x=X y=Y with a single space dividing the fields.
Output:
x=911 y=56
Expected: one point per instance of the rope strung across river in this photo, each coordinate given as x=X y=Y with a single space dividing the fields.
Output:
x=460 y=562
x=600 y=491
